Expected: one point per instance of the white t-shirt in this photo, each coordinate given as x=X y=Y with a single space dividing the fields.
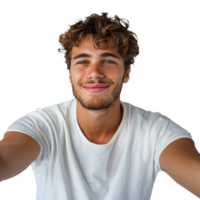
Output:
x=70 y=167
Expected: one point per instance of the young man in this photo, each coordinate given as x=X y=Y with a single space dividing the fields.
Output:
x=97 y=89
x=97 y=146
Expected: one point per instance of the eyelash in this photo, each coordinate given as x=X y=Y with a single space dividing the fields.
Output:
x=106 y=60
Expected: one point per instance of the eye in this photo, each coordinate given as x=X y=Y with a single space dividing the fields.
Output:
x=81 y=62
x=109 y=61
x=86 y=61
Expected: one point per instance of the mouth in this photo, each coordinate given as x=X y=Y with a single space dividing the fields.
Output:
x=95 y=88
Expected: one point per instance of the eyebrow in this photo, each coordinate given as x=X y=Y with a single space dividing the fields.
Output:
x=89 y=55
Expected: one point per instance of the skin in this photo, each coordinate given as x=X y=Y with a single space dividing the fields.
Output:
x=98 y=114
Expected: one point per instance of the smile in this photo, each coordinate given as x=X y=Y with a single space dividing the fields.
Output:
x=95 y=89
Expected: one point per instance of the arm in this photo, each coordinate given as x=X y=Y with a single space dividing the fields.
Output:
x=1 y=168
x=17 y=152
x=181 y=161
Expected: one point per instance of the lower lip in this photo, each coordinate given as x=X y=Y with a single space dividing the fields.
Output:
x=93 y=90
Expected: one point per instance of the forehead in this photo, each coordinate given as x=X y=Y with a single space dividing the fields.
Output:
x=87 y=46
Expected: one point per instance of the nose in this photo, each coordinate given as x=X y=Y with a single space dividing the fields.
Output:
x=95 y=71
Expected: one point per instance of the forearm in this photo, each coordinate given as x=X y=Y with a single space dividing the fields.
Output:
x=1 y=164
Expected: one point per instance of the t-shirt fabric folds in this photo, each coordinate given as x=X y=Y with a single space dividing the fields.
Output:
x=70 y=167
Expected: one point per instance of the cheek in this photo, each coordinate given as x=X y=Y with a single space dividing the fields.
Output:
x=77 y=76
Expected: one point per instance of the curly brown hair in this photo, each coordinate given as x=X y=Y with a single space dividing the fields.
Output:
x=102 y=28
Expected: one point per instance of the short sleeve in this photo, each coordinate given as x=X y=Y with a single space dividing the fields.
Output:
x=166 y=131
x=32 y=124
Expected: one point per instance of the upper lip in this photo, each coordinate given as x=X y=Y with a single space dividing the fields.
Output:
x=96 y=86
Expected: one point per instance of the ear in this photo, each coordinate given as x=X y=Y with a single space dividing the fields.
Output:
x=68 y=77
x=126 y=76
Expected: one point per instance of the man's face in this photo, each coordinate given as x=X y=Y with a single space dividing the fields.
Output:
x=96 y=69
